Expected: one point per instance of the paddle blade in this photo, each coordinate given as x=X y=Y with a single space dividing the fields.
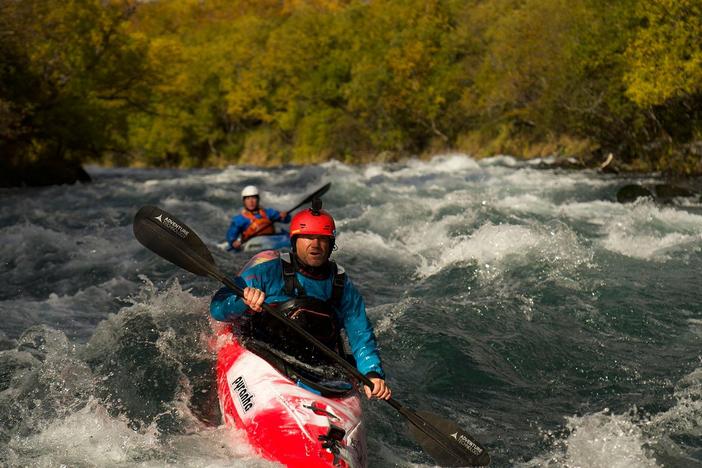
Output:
x=445 y=441
x=316 y=194
x=172 y=239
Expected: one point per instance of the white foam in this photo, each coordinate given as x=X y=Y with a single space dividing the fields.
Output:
x=685 y=417
x=92 y=437
x=387 y=315
x=448 y=164
x=600 y=440
x=695 y=326
x=374 y=170
x=66 y=253
x=496 y=247
x=76 y=312
x=490 y=244
x=641 y=230
x=606 y=440
x=86 y=436
x=649 y=232
x=596 y=212
x=526 y=203
x=501 y=160
x=368 y=243
x=451 y=164
x=67 y=430
x=544 y=182
x=170 y=305
x=656 y=248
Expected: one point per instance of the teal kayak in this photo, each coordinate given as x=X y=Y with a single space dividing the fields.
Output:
x=280 y=240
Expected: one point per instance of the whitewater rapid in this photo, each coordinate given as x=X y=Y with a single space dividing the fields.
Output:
x=559 y=327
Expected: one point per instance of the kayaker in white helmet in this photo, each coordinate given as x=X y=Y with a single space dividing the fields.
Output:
x=253 y=220
x=311 y=289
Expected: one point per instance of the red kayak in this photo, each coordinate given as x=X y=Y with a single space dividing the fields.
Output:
x=285 y=422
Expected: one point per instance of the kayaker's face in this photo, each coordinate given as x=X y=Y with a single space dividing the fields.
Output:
x=251 y=203
x=313 y=250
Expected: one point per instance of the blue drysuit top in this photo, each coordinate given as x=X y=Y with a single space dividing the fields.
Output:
x=265 y=272
x=240 y=223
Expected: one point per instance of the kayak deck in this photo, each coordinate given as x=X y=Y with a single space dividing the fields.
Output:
x=271 y=242
x=283 y=421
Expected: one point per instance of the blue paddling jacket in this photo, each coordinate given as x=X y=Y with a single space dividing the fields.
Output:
x=241 y=223
x=265 y=272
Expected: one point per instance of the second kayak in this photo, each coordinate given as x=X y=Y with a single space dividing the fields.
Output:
x=277 y=241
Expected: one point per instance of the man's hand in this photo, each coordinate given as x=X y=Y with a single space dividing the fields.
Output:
x=283 y=214
x=254 y=298
x=236 y=244
x=380 y=390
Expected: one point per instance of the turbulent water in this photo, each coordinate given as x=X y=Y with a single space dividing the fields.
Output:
x=557 y=326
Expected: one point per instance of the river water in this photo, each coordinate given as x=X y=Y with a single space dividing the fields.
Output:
x=557 y=326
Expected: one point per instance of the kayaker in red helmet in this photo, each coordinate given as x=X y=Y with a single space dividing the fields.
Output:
x=311 y=289
x=253 y=220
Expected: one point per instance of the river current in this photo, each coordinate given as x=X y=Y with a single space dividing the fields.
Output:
x=557 y=326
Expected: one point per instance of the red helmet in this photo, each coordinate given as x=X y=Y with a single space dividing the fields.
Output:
x=313 y=223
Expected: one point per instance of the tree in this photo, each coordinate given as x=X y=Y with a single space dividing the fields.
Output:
x=71 y=73
x=665 y=56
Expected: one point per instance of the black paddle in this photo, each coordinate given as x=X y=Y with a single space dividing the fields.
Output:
x=173 y=240
x=317 y=194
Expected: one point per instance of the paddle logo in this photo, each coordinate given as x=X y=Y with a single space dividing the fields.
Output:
x=467 y=443
x=179 y=230
x=245 y=398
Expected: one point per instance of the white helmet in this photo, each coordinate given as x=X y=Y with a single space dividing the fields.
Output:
x=249 y=191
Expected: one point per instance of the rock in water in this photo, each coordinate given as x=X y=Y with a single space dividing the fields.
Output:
x=629 y=193
x=42 y=173
x=667 y=191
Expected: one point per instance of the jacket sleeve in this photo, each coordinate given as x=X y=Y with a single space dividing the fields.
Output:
x=360 y=331
x=274 y=215
x=236 y=227
x=266 y=276
x=226 y=305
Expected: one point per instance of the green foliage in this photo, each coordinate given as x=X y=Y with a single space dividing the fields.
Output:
x=554 y=68
x=665 y=56
x=71 y=72
x=664 y=77
x=408 y=73
x=201 y=82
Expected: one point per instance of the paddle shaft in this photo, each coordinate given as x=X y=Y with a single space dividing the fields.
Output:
x=173 y=240
x=307 y=199
x=290 y=323
x=411 y=416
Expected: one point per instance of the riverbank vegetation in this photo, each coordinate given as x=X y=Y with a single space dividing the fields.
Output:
x=211 y=82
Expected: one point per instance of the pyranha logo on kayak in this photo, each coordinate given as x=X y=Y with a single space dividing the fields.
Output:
x=173 y=226
x=467 y=443
x=245 y=398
